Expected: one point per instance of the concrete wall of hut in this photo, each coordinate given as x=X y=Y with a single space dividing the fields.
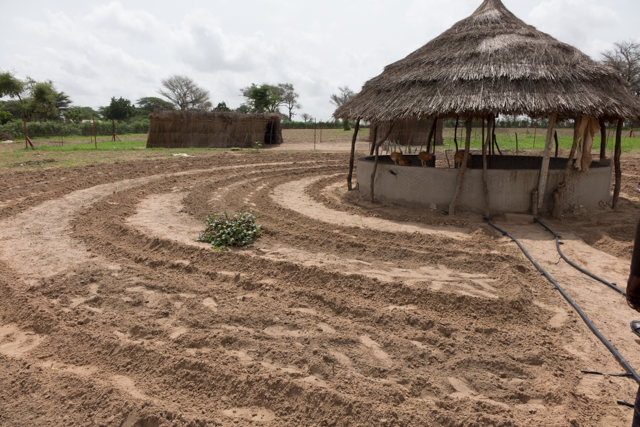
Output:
x=509 y=190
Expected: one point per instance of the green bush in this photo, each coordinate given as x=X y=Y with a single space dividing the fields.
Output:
x=222 y=231
x=52 y=128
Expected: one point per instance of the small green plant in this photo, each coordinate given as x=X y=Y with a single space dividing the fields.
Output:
x=222 y=231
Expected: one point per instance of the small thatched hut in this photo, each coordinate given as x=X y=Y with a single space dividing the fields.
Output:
x=492 y=63
x=190 y=129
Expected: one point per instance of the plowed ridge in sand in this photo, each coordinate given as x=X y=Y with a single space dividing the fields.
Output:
x=292 y=196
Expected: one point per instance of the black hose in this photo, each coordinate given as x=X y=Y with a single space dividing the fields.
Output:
x=607 y=375
x=577 y=267
x=584 y=317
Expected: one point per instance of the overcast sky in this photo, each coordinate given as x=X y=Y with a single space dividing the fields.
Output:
x=94 y=50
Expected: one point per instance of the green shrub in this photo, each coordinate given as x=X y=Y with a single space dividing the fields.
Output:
x=222 y=231
x=52 y=128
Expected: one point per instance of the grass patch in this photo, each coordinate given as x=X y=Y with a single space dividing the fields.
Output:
x=101 y=146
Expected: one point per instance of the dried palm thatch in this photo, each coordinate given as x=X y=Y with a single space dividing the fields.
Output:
x=493 y=63
x=188 y=129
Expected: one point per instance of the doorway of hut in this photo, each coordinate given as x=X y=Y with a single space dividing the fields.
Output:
x=270 y=133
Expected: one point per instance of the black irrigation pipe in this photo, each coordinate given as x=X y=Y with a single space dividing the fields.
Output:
x=584 y=317
x=607 y=375
x=577 y=267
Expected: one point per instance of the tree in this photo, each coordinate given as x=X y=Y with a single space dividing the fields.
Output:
x=184 y=93
x=120 y=109
x=344 y=94
x=243 y=109
x=63 y=102
x=222 y=106
x=289 y=98
x=43 y=100
x=625 y=59
x=150 y=104
x=10 y=86
x=342 y=97
x=73 y=115
x=5 y=116
x=262 y=99
x=80 y=113
x=306 y=117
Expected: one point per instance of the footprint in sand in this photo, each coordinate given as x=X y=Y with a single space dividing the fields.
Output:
x=463 y=391
x=210 y=303
x=375 y=348
x=15 y=342
x=252 y=414
x=558 y=319
x=127 y=385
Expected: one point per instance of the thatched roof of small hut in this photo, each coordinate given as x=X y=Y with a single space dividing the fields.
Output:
x=492 y=62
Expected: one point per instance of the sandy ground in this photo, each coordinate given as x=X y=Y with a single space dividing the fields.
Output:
x=343 y=313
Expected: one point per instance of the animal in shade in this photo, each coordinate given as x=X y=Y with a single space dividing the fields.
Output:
x=397 y=156
x=404 y=162
x=459 y=157
x=425 y=158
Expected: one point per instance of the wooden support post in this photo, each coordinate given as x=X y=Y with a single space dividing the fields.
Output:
x=432 y=134
x=555 y=137
x=495 y=142
x=435 y=135
x=485 y=141
x=315 y=130
x=603 y=140
x=535 y=133
x=616 y=161
x=517 y=151
x=463 y=168
x=61 y=136
x=560 y=192
x=455 y=133
x=27 y=140
x=482 y=141
x=353 y=153
x=375 y=164
x=544 y=171
x=373 y=141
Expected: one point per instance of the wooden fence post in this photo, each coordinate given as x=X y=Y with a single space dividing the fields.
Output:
x=353 y=152
x=616 y=160
x=544 y=171
x=375 y=163
x=463 y=167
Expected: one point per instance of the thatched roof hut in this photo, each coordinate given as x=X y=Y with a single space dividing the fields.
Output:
x=191 y=129
x=493 y=63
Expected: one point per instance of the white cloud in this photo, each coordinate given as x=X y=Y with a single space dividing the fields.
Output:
x=94 y=51
x=575 y=22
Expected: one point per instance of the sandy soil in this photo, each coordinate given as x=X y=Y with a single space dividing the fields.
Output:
x=343 y=313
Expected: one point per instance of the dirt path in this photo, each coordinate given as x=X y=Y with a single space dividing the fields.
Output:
x=113 y=315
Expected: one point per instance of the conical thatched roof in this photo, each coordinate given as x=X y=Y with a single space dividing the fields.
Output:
x=492 y=62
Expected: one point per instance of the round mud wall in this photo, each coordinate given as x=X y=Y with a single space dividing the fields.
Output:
x=511 y=181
